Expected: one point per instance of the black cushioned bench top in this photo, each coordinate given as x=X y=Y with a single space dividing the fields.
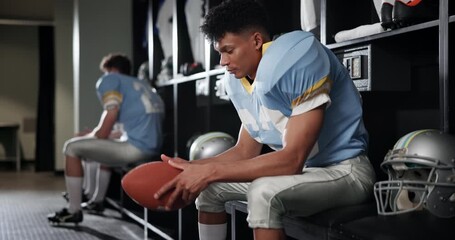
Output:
x=317 y=226
x=417 y=225
x=361 y=222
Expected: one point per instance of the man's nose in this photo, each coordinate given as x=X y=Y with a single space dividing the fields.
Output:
x=224 y=61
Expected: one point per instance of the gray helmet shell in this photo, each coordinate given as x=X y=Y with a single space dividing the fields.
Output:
x=210 y=144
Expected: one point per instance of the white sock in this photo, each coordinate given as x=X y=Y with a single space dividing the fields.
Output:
x=74 y=189
x=90 y=176
x=103 y=178
x=212 y=231
x=84 y=180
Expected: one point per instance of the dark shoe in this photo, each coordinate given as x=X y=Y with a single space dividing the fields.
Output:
x=414 y=12
x=93 y=207
x=386 y=16
x=66 y=197
x=63 y=216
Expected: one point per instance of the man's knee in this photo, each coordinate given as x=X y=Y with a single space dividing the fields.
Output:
x=261 y=192
x=209 y=200
x=68 y=148
x=264 y=206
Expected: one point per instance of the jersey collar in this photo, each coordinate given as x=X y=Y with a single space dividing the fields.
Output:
x=246 y=84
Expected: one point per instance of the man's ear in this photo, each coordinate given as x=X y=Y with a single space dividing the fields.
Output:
x=258 y=40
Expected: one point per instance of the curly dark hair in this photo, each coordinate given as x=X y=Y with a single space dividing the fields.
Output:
x=235 y=16
x=116 y=60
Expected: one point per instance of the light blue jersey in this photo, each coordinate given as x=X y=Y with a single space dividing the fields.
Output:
x=296 y=74
x=141 y=109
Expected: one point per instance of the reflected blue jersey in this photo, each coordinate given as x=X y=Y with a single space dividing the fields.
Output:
x=141 y=109
x=296 y=74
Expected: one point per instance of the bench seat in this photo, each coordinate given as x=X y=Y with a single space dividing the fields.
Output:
x=359 y=222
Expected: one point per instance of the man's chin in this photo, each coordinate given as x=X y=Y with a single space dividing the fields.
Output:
x=238 y=75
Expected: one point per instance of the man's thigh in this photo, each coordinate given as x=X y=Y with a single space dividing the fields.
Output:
x=315 y=190
x=107 y=152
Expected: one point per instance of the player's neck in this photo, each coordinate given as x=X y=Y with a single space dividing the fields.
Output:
x=249 y=79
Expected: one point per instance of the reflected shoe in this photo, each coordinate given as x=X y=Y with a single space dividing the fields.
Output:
x=93 y=207
x=63 y=216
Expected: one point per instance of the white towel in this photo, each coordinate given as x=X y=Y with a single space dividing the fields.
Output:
x=361 y=31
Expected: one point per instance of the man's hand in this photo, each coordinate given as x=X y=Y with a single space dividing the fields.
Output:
x=188 y=184
x=115 y=134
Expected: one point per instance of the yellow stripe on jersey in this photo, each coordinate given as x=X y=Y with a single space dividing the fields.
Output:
x=322 y=86
x=246 y=84
x=265 y=46
x=112 y=96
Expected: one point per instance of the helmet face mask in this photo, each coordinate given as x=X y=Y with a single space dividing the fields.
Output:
x=398 y=195
x=421 y=170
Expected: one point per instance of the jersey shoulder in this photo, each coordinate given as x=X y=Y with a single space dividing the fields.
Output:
x=292 y=57
x=108 y=82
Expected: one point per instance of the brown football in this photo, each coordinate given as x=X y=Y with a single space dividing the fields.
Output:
x=142 y=182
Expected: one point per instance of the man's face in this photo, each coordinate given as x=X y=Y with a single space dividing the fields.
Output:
x=239 y=53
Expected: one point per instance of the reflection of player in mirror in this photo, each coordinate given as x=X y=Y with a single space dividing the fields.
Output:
x=127 y=101
x=96 y=178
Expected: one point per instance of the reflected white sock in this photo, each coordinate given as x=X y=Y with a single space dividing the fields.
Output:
x=74 y=189
x=84 y=179
x=102 y=184
x=212 y=231
x=90 y=176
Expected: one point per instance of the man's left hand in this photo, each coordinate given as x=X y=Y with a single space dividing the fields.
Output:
x=188 y=184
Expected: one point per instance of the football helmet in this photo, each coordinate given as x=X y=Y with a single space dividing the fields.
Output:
x=421 y=175
x=210 y=144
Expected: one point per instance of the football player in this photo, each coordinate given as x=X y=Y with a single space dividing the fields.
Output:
x=294 y=95
x=136 y=108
